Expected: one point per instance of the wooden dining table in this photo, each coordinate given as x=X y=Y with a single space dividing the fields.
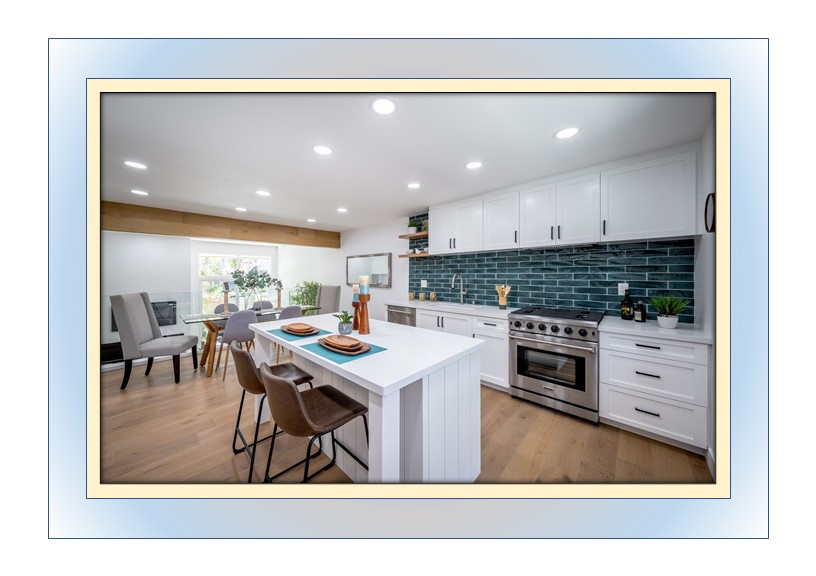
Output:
x=214 y=323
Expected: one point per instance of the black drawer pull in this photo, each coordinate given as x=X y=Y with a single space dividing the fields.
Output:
x=551 y=233
x=647 y=412
x=647 y=346
x=488 y=324
x=647 y=374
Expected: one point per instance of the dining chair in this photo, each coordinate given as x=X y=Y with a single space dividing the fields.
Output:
x=249 y=377
x=141 y=336
x=328 y=299
x=262 y=305
x=236 y=330
x=309 y=413
x=286 y=313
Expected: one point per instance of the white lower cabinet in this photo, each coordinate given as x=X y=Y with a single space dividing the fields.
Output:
x=495 y=359
x=445 y=322
x=644 y=386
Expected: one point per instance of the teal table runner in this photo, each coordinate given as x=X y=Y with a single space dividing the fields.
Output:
x=338 y=358
x=289 y=337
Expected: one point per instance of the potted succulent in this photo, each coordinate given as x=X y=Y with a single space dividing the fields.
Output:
x=667 y=308
x=345 y=325
x=412 y=226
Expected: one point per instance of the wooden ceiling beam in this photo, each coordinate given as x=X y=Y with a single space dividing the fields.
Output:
x=119 y=217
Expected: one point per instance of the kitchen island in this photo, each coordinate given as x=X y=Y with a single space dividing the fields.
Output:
x=422 y=392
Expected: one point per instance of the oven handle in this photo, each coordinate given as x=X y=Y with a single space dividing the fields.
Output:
x=590 y=350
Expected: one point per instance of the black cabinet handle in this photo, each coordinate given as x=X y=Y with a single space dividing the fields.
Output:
x=647 y=346
x=604 y=227
x=443 y=321
x=655 y=414
x=437 y=322
x=450 y=243
x=551 y=233
x=647 y=374
x=515 y=236
x=454 y=243
x=488 y=324
x=559 y=232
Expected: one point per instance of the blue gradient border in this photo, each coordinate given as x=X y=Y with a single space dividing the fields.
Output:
x=72 y=515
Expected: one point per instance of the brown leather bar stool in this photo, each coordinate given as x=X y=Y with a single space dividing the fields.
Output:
x=314 y=412
x=250 y=379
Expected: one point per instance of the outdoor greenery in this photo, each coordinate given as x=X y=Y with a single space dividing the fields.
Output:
x=305 y=294
x=253 y=282
x=668 y=305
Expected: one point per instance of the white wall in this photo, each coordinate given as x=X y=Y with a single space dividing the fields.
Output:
x=298 y=264
x=376 y=240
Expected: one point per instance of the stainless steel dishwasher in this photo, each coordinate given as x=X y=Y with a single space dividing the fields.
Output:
x=401 y=315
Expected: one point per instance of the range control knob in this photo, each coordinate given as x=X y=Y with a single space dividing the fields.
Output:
x=517 y=324
x=567 y=330
x=542 y=327
x=582 y=332
x=529 y=325
x=554 y=328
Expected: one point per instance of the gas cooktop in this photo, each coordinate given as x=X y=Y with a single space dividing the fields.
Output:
x=559 y=314
x=556 y=322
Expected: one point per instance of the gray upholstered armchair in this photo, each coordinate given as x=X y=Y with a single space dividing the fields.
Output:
x=141 y=336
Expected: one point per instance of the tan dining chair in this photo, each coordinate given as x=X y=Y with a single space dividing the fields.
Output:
x=249 y=377
x=310 y=413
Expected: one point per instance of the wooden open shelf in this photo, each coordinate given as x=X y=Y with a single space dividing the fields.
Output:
x=423 y=255
x=415 y=236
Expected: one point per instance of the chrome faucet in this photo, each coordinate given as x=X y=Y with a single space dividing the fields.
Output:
x=462 y=290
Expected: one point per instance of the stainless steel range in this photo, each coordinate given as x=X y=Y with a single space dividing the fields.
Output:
x=554 y=359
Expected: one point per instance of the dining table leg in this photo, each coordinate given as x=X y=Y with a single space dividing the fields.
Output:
x=208 y=354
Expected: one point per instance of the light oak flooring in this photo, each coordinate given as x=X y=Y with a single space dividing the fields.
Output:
x=156 y=431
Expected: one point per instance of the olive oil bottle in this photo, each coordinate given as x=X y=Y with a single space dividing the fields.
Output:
x=640 y=311
x=627 y=307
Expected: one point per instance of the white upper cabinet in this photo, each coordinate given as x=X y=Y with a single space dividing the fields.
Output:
x=537 y=216
x=455 y=227
x=501 y=221
x=650 y=199
x=578 y=206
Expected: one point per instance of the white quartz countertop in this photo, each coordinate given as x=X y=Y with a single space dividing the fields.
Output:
x=684 y=331
x=455 y=308
x=410 y=354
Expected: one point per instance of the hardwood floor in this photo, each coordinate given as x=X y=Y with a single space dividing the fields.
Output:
x=156 y=431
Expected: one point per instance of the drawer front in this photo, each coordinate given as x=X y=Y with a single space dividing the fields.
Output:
x=491 y=324
x=681 y=422
x=681 y=381
x=656 y=347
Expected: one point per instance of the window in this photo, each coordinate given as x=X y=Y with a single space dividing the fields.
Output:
x=215 y=269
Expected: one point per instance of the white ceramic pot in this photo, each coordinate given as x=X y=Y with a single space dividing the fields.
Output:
x=412 y=230
x=667 y=321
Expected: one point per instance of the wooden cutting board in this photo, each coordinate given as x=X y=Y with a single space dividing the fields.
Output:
x=343 y=342
x=361 y=350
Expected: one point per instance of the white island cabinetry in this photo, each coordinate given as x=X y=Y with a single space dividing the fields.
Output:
x=422 y=393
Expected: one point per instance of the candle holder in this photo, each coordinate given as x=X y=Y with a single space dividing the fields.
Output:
x=363 y=327
x=356 y=324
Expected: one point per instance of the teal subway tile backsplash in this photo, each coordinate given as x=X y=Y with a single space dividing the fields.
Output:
x=583 y=276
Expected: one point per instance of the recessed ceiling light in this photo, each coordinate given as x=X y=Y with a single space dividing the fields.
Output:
x=262 y=193
x=343 y=210
x=322 y=150
x=133 y=164
x=473 y=165
x=566 y=133
x=311 y=220
x=413 y=185
x=240 y=209
x=139 y=192
x=383 y=106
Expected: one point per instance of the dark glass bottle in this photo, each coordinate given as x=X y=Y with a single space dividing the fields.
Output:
x=640 y=311
x=627 y=307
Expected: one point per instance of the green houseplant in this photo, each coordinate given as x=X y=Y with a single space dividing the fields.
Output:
x=667 y=308
x=345 y=326
x=252 y=283
x=412 y=226
x=305 y=293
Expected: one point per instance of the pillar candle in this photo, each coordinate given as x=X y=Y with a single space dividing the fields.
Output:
x=355 y=297
x=363 y=284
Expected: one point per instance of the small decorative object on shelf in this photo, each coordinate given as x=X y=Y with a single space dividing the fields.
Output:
x=364 y=327
x=503 y=290
x=345 y=326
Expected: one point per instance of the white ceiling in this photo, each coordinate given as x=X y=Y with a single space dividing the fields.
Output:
x=209 y=153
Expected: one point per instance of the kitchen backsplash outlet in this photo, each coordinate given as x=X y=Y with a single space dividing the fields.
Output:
x=584 y=276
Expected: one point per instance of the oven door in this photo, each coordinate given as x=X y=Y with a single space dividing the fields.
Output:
x=563 y=371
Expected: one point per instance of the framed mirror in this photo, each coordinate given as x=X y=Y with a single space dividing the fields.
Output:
x=376 y=266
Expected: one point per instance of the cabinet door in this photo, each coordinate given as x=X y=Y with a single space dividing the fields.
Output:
x=440 y=230
x=429 y=320
x=578 y=203
x=501 y=221
x=650 y=199
x=468 y=226
x=537 y=216
x=495 y=357
x=454 y=324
